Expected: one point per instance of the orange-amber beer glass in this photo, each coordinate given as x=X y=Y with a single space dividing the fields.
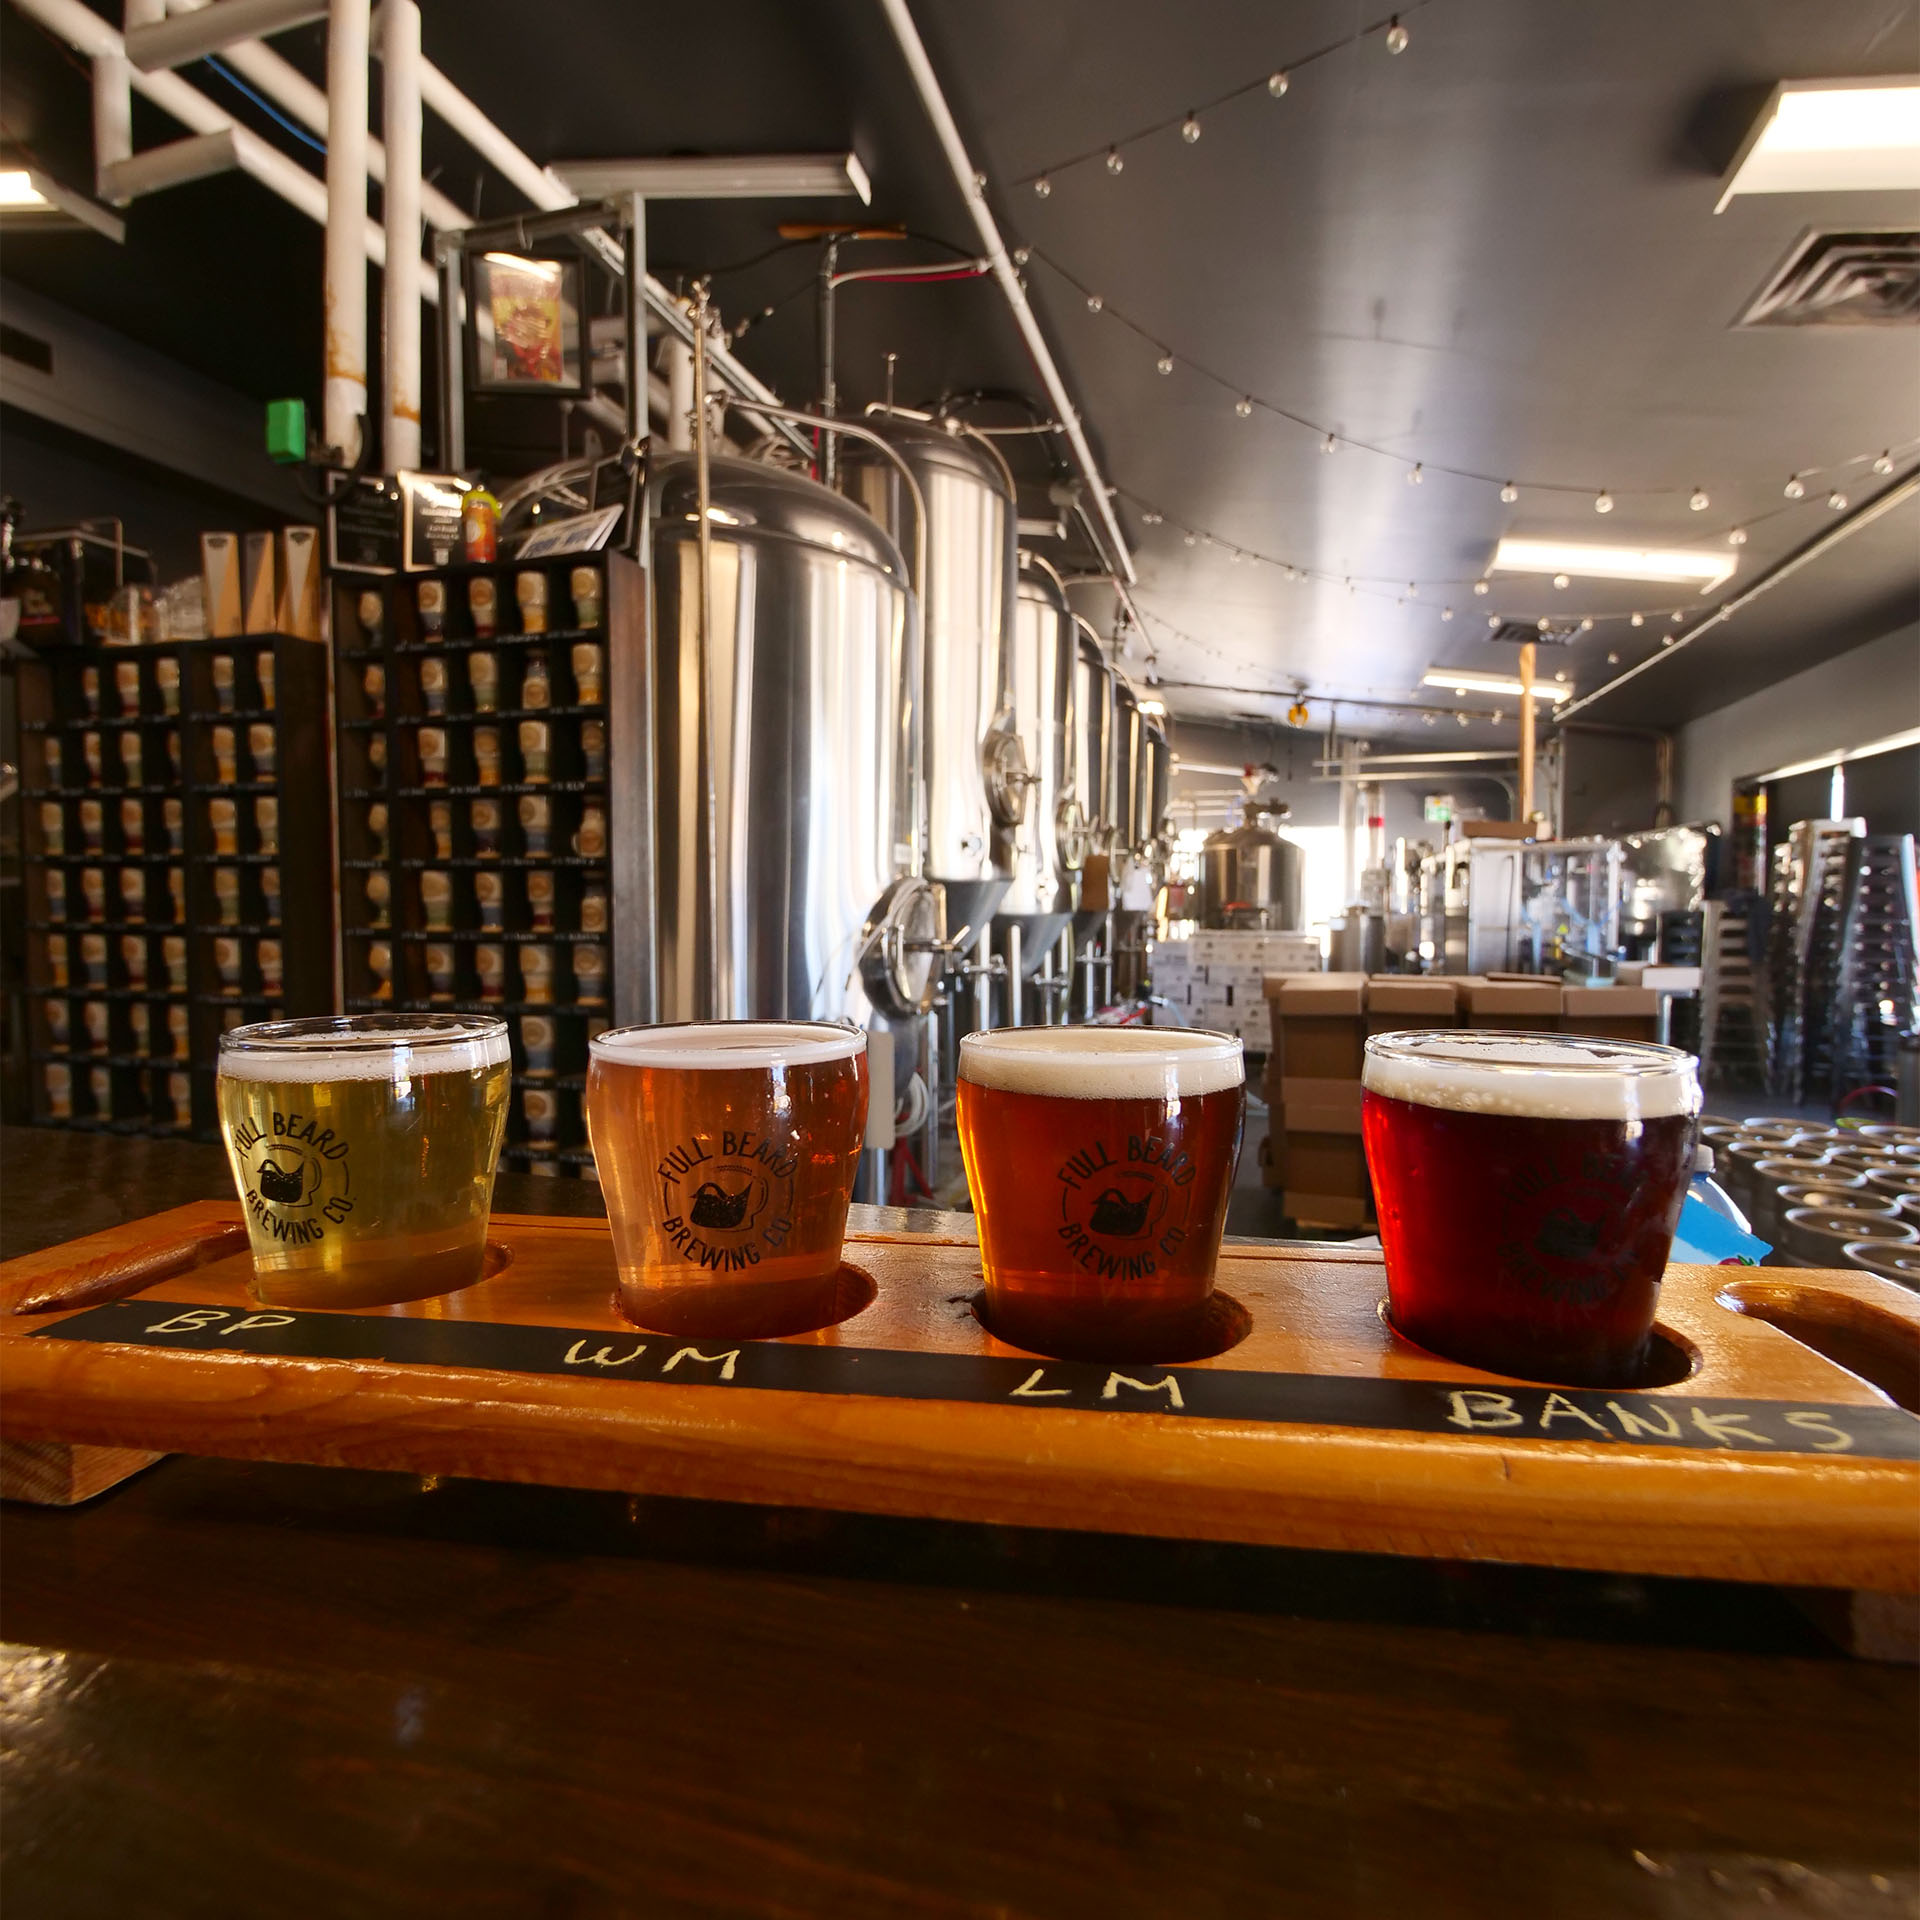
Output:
x=1100 y=1161
x=1528 y=1186
x=727 y=1150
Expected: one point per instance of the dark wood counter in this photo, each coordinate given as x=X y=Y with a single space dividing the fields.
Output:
x=238 y=1689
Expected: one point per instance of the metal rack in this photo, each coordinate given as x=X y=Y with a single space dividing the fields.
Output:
x=1813 y=871
x=1877 y=992
x=168 y=897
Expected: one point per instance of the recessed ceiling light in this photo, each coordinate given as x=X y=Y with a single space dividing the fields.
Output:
x=1613 y=563
x=1458 y=682
x=1831 y=136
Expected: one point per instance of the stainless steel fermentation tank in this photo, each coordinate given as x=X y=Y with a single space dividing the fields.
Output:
x=787 y=788
x=1046 y=847
x=1250 y=876
x=976 y=766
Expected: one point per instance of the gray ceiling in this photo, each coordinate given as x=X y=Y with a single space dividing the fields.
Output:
x=1495 y=252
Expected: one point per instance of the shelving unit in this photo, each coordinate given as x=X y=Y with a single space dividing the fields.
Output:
x=497 y=868
x=138 y=953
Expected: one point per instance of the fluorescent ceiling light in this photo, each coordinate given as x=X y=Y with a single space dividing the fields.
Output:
x=1840 y=757
x=1706 y=566
x=17 y=190
x=1831 y=136
x=758 y=176
x=1459 y=680
x=31 y=202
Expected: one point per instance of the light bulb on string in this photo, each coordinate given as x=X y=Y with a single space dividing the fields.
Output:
x=1150 y=519
x=1429 y=719
x=1094 y=303
x=1586 y=625
x=1496 y=716
x=1114 y=162
x=1462 y=718
x=1243 y=407
x=1543 y=624
x=1666 y=639
x=1837 y=501
x=1736 y=536
x=1638 y=619
x=1277 y=84
x=1562 y=581
x=1603 y=501
x=1190 y=129
x=1493 y=623
x=1884 y=464
x=1677 y=615
x=1794 y=489
x=1164 y=364
x=1509 y=493
x=1415 y=474
x=1698 y=500
x=1042 y=187
x=1613 y=659
x=1482 y=586
x=1446 y=613
x=1396 y=36
x=1328 y=444
x=1021 y=255
x=1561 y=677
x=1188 y=539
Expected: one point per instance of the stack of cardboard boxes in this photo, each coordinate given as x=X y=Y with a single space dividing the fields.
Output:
x=1218 y=979
x=1320 y=1026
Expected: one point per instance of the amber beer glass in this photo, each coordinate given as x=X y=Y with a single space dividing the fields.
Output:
x=727 y=1151
x=1528 y=1187
x=1100 y=1161
x=364 y=1151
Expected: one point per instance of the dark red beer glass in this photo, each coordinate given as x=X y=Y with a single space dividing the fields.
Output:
x=1528 y=1187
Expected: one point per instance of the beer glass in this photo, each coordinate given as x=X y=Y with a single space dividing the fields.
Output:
x=1100 y=1161
x=1528 y=1187
x=363 y=1149
x=727 y=1150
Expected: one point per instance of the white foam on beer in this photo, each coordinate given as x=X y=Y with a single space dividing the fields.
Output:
x=367 y=1050
x=738 y=1045
x=1536 y=1076
x=1103 y=1063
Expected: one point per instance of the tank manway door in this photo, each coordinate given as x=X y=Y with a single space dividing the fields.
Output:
x=1003 y=760
x=902 y=948
x=1070 y=834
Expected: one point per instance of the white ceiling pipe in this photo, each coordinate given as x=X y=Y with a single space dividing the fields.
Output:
x=286 y=86
x=198 y=157
x=112 y=116
x=973 y=191
x=83 y=30
x=400 y=118
x=540 y=184
x=344 y=298
x=160 y=44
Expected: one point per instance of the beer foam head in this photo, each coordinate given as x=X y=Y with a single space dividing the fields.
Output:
x=372 y=1046
x=1538 y=1076
x=1103 y=1063
x=730 y=1045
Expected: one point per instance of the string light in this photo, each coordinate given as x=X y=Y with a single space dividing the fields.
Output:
x=1509 y=493
x=1190 y=129
x=1021 y=255
x=1586 y=624
x=1698 y=500
x=1415 y=474
x=1837 y=501
x=1329 y=444
x=1676 y=616
x=1152 y=519
x=1277 y=84
x=1562 y=581
x=1496 y=716
x=1613 y=659
x=1165 y=363
x=1793 y=489
x=1396 y=36
x=1094 y=303
x=1461 y=718
x=1429 y=719
x=1189 y=540
x=1482 y=586
x=1042 y=187
x=1884 y=463
x=1446 y=613
x=1603 y=502
x=1493 y=623
x=1114 y=162
x=1244 y=408
x=1638 y=619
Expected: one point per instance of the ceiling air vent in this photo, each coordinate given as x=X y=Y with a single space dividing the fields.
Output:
x=1553 y=633
x=1841 y=277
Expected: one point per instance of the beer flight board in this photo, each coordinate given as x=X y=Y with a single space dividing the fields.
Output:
x=1756 y=1457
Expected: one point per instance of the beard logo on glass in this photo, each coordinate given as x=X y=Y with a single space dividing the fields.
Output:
x=726 y=1199
x=1122 y=1212
x=297 y=1178
x=1561 y=1237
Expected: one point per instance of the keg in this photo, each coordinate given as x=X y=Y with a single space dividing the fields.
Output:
x=1891 y=1260
x=1821 y=1239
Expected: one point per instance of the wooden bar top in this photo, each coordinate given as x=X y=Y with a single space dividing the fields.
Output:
x=234 y=1688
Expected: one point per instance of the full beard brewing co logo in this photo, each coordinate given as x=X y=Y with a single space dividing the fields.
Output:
x=297 y=1179
x=727 y=1199
x=1117 y=1214
x=1573 y=1233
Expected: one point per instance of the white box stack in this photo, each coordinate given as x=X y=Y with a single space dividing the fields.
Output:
x=1218 y=979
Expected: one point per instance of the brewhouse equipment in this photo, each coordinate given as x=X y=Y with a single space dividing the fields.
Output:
x=1569 y=919
x=976 y=769
x=1250 y=876
x=787 y=789
x=1664 y=872
x=1093 y=715
x=1045 y=846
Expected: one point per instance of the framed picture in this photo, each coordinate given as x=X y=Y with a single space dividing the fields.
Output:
x=524 y=321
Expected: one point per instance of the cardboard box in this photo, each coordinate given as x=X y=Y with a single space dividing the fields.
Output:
x=1319 y=1023
x=1320 y=1106
x=300 y=582
x=1495 y=829
x=1325 y=1209
x=260 y=583
x=1511 y=1005
x=220 y=579
x=1611 y=1013
x=1329 y=1163
x=1399 y=1004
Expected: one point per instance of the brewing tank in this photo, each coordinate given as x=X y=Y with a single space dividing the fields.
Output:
x=1093 y=709
x=1250 y=877
x=975 y=767
x=1129 y=766
x=787 y=787
x=1152 y=791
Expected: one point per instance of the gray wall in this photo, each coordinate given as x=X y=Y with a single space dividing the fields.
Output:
x=1847 y=702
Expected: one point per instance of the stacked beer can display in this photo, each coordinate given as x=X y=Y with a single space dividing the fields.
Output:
x=474 y=818
x=158 y=836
